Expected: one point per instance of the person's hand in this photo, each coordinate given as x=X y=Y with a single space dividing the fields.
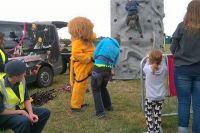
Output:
x=34 y=118
x=112 y=72
x=90 y=59
x=24 y=113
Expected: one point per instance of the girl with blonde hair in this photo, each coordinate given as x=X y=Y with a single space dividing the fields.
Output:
x=155 y=72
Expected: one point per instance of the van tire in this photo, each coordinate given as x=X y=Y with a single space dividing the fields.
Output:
x=45 y=77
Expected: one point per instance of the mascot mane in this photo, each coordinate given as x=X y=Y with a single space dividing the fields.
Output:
x=81 y=28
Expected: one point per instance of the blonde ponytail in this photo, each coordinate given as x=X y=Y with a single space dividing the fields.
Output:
x=155 y=58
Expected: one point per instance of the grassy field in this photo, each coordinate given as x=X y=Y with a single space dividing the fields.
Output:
x=127 y=116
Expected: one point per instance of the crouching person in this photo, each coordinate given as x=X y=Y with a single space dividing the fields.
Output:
x=105 y=58
x=16 y=111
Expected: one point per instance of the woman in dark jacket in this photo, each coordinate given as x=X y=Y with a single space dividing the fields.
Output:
x=186 y=50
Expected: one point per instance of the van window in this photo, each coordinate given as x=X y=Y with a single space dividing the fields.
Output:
x=12 y=33
x=21 y=36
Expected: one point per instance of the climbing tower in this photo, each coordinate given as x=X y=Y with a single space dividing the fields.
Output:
x=135 y=46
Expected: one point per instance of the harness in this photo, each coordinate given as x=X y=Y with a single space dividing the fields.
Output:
x=83 y=79
x=108 y=61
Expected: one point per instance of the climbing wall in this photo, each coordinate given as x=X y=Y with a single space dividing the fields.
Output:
x=134 y=46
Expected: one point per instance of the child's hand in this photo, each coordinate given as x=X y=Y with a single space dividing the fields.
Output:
x=112 y=72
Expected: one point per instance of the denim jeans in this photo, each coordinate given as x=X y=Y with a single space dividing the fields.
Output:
x=21 y=124
x=188 y=91
x=99 y=80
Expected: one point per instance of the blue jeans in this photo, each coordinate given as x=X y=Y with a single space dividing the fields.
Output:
x=21 y=124
x=188 y=90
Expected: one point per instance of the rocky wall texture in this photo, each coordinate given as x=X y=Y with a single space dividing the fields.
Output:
x=135 y=44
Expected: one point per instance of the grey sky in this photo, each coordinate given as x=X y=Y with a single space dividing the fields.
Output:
x=174 y=13
x=96 y=10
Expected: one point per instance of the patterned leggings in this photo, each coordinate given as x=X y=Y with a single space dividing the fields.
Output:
x=153 y=115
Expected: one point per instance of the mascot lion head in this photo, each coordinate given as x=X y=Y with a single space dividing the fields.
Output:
x=81 y=28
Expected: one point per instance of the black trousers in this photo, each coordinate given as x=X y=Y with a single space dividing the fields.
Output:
x=99 y=80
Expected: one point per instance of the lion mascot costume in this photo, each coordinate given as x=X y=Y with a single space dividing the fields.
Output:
x=82 y=38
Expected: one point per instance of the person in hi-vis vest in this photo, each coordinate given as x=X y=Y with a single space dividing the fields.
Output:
x=3 y=56
x=16 y=111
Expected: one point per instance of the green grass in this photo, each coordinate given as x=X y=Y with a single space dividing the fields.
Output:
x=127 y=116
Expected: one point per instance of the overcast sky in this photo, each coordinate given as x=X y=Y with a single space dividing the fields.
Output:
x=98 y=11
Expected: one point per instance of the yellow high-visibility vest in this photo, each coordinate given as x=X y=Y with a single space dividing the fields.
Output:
x=10 y=99
x=3 y=56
